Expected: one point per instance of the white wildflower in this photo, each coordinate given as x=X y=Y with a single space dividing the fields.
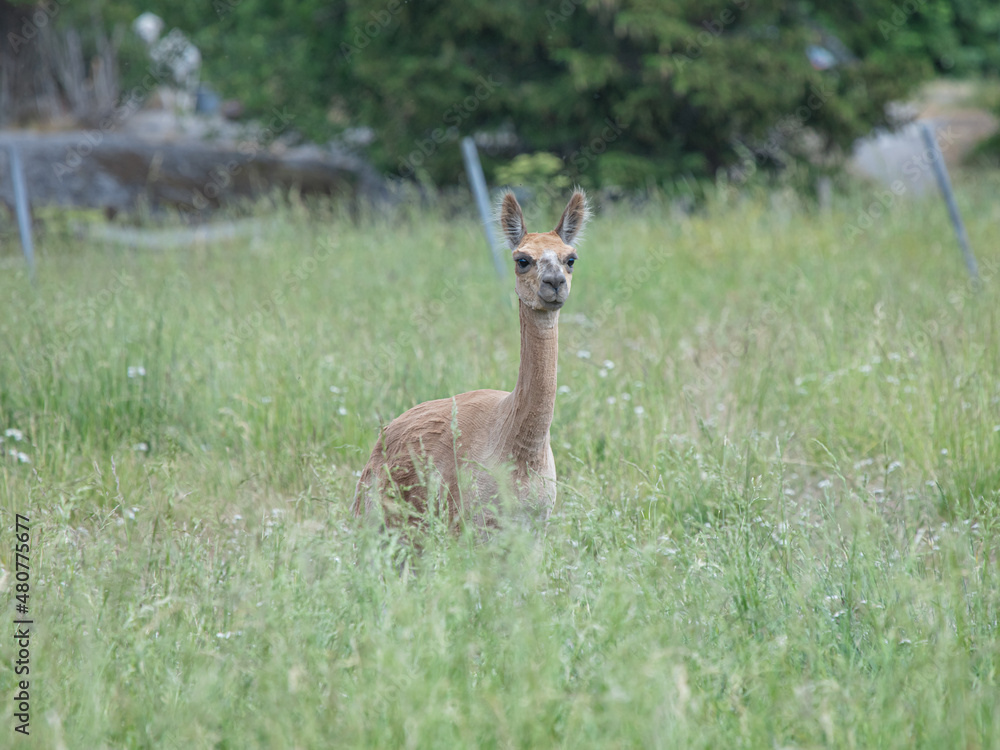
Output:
x=136 y=371
x=342 y=411
x=583 y=354
x=14 y=433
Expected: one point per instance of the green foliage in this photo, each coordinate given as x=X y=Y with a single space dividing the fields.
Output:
x=271 y=54
x=96 y=23
x=630 y=92
x=535 y=170
x=959 y=37
x=672 y=84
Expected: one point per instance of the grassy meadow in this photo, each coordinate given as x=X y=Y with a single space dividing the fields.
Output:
x=778 y=448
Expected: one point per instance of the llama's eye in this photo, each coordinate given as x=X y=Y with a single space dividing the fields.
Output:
x=522 y=263
x=571 y=260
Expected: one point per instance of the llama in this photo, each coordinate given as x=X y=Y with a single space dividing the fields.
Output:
x=496 y=443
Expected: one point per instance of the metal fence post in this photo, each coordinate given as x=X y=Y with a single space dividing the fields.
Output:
x=478 y=183
x=22 y=207
x=941 y=172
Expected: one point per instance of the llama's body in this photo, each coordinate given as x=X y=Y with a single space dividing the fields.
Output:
x=475 y=449
x=477 y=454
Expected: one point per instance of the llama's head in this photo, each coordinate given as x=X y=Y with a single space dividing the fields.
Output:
x=543 y=262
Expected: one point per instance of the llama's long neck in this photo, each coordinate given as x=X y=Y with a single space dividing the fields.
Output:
x=533 y=399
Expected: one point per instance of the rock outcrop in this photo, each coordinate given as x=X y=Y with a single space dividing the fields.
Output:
x=117 y=172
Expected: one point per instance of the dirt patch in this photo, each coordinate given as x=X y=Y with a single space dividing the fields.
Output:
x=960 y=125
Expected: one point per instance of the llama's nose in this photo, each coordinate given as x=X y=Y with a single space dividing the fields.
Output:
x=554 y=280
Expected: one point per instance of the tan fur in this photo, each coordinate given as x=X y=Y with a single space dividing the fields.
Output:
x=481 y=446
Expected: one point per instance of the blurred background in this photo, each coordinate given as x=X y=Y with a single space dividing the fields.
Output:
x=777 y=427
x=135 y=105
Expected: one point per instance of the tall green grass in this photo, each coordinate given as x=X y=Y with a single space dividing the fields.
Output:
x=779 y=462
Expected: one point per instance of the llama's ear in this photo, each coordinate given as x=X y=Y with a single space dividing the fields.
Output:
x=511 y=221
x=574 y=218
